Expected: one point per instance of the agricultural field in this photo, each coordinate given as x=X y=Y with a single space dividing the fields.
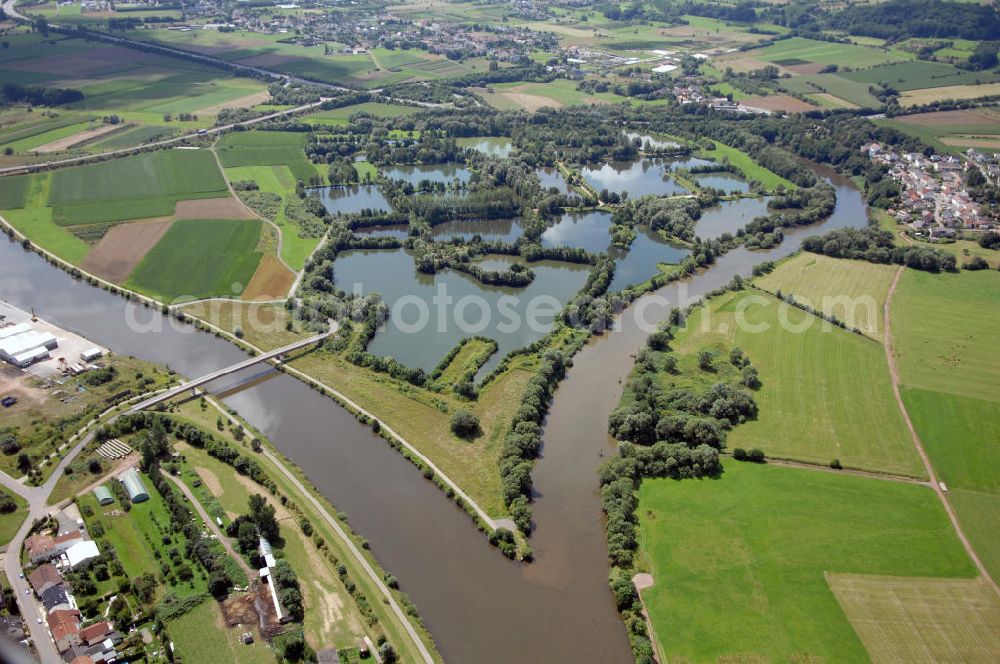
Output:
x=852 y=291
x=943 y=331
x=145 y=185
x=904 y=76
x=839 y=89
x=825 y=392
x=799 y=50
x=742 y=564
x=956 y=92
x=199 y=258
x=142 y=90
x=533 y=96
x=341 y=116
x=268 y=148
x=951 y=131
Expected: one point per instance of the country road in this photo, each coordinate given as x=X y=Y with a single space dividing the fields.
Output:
x=935 y=483
x=210 y=522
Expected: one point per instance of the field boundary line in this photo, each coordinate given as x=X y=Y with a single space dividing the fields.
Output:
x=341 y=533
x=915 y=437
x=857 y=472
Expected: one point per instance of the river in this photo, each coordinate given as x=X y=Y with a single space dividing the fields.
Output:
x=479 y=606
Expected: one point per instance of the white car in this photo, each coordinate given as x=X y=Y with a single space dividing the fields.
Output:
x=38 y=620
x=27 y=591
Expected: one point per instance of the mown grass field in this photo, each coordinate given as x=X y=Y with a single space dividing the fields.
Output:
x=278 y=179
x=201 y=635
x=825 y=392
x=852 y=291
x=957 y=92
x=36 y=221
x=944 y=332
x=739 y=562
x=200 y=258
x=810 y=50
x=532 y=96
x=340 y=116
x=921 y=620
x=145 y=185
x=919 y=74
x=750 y=169
x=11 y=521
x=267 y=148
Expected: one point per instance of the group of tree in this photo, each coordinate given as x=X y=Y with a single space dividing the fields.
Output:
x=14 y=93
x=878 y=246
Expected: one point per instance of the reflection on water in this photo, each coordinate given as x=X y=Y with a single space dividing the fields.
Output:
x=502 y=230
x=639 y=178
x=583 y=230
x=727 y=182
x=435 y=173
x=647 y=250
x=729 y=217
x=393 y=275
x=496 y=146
x=352 y=199
x=551 y=177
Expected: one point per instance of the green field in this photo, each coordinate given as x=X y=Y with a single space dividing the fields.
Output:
x=36 y=221
x=200 y=258
x=919 y=74
x=137 y=537
x=852 y=291
x=145 y=185
x=944 y=331
x=825 y=392
x=828 y=53
x=340 y=116
x=838 y=86
x=267 y=148
x=201 y=636
x=11 y=522
x=750 y=169
x=14 y=191
x=739 y=562
x=279 y=180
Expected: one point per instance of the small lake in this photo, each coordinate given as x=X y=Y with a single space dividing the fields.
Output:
x=502 y=230
x=727 y=182
x=496 y=146
x=639 y=178
x=656 y=143
x=729 y=217
x=640 y=262
x=420 y=332
x=434 y=172
x=551 y=177
x=583 y=230
x=690 y=162
x=352 y=199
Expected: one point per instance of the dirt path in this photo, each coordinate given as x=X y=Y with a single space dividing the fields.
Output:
x=891 y=477
x=935 y=483
x=210 y=522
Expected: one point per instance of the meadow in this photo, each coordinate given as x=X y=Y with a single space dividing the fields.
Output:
x=828 y=53
x=145 y=185
x=839 y=87
x=944 y=328
x=267 y=148
x=11 y=521
x=35 y=220
x=201 y=635
x=836 y=287
x=750 y=169
x=532 y=96
x=825 y=392
x=200 y=258
x=918 y=74
x=956 y=92
x=740 y=562
x=340 y=116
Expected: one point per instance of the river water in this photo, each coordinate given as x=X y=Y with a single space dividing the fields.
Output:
x=479 y=606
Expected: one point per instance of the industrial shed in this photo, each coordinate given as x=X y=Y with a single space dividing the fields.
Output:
x=103 y=495
x=133 y=485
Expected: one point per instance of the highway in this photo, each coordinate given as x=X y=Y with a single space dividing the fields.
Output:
x=166 y=395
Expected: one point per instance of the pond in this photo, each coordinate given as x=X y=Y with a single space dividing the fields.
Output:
x=725 y=181
x=432 y=313
x=690 y=162
x=583 y=230
x=639 y=178
x=640 y=262
x=656 y=143
x=729 y=217
x=502 y=230
x=351 y=199
x=496 y=146
x=398 y=231
x=434 y=172
x=551 y=177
